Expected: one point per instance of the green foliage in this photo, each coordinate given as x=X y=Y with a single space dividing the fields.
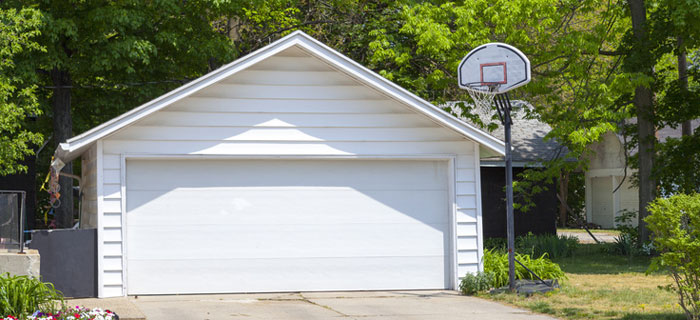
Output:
x=103 y=58
x=474 y=283
x=664 y=31
x=594 y=258
x=624 y=221
x=21 y=296
x=624 y=244
x=18 y=32
x=679 y=172
x=573 y=88
x=496 y=263
x=120 y=54
x=675 y=223
x=576 y=198
x=551 y=245
x=628 y=240
x=537 y=245
x=499 y=244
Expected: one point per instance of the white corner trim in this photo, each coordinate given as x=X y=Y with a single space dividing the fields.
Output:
x=122 y=190
x=479 y=215
x=452 y=207
x=99 y=167
x=65 y=150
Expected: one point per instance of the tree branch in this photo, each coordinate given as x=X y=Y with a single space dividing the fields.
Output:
x=611 y=53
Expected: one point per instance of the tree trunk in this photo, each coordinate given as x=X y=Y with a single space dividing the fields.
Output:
x=683 y=81
x=564 y=195
x=62 y=131
x=644 y=103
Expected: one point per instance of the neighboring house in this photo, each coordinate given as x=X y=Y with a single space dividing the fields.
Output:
x=608 y=172
x=529 y=149
x=291 y=169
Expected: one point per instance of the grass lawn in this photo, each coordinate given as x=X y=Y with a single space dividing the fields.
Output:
x=603 y=286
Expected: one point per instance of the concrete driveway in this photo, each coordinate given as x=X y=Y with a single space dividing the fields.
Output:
x=392 y=305
x=584 y=237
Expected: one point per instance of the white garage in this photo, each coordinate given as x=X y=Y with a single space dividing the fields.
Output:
x=290 y=169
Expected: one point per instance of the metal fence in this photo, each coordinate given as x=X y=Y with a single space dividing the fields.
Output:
x=12 y=207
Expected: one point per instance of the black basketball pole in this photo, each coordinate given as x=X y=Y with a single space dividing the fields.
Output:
x=504 y=108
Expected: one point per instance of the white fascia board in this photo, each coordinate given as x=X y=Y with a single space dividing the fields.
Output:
x=65 y=150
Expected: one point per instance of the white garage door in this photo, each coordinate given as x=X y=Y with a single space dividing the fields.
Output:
x=214 y=226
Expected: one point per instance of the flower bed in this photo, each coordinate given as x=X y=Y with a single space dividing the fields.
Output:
x=71 y=313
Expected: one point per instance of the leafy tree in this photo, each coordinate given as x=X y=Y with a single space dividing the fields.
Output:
x=679 y=172
x=574 y=86
x=104 y=57
x=640 y=63
x=660 y=30
x=18 y=32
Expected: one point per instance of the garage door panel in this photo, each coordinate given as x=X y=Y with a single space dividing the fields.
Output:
x=288 y=241
x=246 y=206
x=198 y=226
x=358 y=174
x=269 y=275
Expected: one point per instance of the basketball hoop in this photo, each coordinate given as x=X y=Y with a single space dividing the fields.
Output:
x=489 y=70
x=482 y=94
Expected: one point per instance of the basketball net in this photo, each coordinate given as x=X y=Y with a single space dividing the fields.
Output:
x=482 y=95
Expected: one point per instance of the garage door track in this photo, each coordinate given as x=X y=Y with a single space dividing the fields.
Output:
x=391 y=305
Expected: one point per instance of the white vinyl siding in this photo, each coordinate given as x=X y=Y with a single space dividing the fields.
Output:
x=467 y=215
x=285 y=109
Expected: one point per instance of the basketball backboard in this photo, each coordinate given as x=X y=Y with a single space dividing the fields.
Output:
x=495 y=67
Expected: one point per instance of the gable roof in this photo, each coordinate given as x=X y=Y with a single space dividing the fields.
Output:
x=77 y=145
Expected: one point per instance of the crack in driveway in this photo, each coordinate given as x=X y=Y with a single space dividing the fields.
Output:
x=321 y=305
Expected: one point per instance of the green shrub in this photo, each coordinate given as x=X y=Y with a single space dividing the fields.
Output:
x=552 y=245
x=623 y=245
x=627 y=243
x=496 y=243
x=21 y=296
x=473 y=283
x=496 y=263
x=675 y=223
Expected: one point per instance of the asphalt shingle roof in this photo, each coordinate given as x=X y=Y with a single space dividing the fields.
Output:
x=527 y=134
